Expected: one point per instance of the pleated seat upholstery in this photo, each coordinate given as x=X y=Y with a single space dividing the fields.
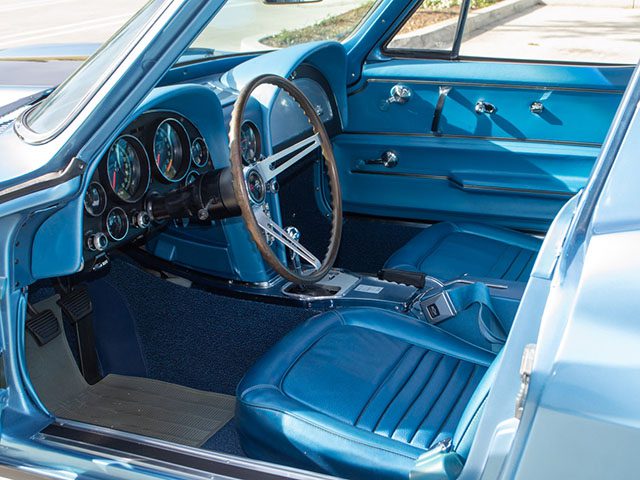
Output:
x=450 y=250
x=361 y=393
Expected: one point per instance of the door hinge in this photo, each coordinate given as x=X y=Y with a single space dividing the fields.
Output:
x=526 y=367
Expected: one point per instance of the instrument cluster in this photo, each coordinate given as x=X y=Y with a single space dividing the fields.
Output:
x=159 y=152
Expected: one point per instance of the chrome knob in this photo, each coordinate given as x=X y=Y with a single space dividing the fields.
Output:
x=97 y=242
x=537 y=108
x=294 y=234
x=399 y=94
x=388 y=159
x=485 y=107
x=141 y=219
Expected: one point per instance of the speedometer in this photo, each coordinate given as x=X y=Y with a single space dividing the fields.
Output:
x=249 y=143
x=171 y=150
x=127 y=169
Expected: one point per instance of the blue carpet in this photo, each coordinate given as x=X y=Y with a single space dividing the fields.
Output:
x=225 y=440
x=185 y=336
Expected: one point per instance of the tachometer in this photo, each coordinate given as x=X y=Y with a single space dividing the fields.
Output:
x=127 y=169
x=249 y=143
x=171 y=150
x=117 y=224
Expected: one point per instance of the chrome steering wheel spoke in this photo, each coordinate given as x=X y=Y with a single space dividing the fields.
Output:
x=269 y=167
x=269 y=227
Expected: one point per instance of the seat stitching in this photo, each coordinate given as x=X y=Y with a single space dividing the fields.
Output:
x=331 y=432
x=435 y=401
x=526 y=264
x=386 y=378
x=453 y=407
x=404 y=384
x=423 y=258
x=415 y=399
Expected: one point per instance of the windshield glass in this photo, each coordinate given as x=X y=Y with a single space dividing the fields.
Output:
x=53 y=113
x=254 y=25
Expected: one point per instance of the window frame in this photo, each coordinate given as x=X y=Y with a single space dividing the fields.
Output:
x=454 y=53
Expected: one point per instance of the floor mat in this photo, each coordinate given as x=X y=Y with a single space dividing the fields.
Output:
x=137 y=405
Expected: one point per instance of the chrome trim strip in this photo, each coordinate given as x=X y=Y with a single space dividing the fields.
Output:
x=493 y=85
x=478 y=137
x=73 y=169
x=223 y=458
x=470 y=187
x=423 y=176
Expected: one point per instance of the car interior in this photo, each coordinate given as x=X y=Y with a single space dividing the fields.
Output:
x=279 y=265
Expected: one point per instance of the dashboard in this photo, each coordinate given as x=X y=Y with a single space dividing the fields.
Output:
x=159 y=152
x=179 y=133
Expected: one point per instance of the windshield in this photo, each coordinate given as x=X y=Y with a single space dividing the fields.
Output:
x=54 y=112
x=254 y=25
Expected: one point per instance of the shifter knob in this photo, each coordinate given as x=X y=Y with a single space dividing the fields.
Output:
x=294 y=234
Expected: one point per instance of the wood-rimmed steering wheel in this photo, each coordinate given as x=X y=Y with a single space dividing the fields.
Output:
x=251 y=184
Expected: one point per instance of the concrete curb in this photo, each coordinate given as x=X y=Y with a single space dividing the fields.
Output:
x=440 y=36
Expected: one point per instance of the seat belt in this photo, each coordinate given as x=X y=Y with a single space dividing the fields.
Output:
x=450 y=302
x=77 y=308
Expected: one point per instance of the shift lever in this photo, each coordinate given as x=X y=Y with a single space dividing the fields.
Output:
x=294 y=234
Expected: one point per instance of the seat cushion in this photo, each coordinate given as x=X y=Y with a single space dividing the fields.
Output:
x=451 y=250
x=358 y=391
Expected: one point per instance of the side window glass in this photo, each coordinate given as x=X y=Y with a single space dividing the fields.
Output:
x=598 y=31
x=431 y=27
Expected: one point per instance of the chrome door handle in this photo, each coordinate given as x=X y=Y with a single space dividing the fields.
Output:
x=388 y=159
x=485 y=107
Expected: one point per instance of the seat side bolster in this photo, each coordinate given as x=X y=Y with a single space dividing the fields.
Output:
x=468 y=424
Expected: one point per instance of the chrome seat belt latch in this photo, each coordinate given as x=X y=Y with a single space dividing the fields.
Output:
x=438 y=308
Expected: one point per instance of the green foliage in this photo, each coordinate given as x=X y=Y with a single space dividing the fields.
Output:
x=447 y=4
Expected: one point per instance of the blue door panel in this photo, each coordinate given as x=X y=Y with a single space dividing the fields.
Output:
x=517 y=184
x=514 y=167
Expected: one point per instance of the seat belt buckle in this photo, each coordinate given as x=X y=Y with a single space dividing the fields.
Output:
x=438 y=308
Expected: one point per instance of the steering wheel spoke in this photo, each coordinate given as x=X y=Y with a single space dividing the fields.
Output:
x=250 y=184
x=270 y=227
x=270 y=167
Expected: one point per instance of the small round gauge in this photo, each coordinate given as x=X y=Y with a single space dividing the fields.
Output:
x=199 y=152
x=127 y=169
x=191 y=178
x=95 y=200
x=117 y=224
x=249 y=143
x=171 y=150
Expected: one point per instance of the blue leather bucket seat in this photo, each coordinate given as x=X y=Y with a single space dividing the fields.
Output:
x=450 y=250
x=362 y=393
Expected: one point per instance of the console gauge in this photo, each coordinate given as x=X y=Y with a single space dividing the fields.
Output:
x=117 y=224
x=249 y=143
x=199 y=152
x=95 y=200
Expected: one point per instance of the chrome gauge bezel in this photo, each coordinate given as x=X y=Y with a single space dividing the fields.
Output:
x=205 y=150
x=145 y=169
x=186 y=149
x=103 y=195
x=256 y=132
x=106 y=224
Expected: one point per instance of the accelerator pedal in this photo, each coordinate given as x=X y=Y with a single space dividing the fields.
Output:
x=77 y=308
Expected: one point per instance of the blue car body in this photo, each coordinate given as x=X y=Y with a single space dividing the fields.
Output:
x=568 y=175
